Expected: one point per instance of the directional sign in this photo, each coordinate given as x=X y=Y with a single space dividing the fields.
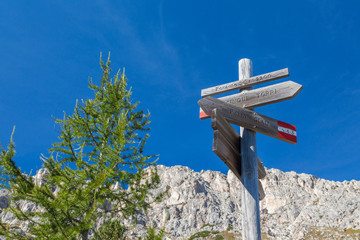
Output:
x=227 y=153
x=231 y=157
x=245 y=82
x=250 y=119
x=226 y=146
x=261 y=96
x=219 y=123
x=232 y=136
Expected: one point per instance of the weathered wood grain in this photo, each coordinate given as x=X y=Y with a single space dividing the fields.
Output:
x=245 y=118
x=218 y=122
x=240 y=116
x=244 y=83
x=227 y=153
x=249 y=178
x=232 y=158
x=261 y=96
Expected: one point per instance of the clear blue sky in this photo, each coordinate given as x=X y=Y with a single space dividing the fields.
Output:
x=173 y=49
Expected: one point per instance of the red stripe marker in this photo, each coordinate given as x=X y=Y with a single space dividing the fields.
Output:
x=287 y=131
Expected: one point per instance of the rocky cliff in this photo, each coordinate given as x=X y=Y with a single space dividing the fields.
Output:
x=207 y=203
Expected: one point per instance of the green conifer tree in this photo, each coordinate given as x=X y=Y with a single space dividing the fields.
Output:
x=100 y=146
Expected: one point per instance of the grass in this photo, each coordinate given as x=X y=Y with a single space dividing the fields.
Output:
x=219 y=237
x=332 y=233
x=206 y=225
x=224 y=235
x=229 y=228
x=202 y=234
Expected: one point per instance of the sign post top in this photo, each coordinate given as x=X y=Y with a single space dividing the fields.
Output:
x=245 y=68
x=246 y=82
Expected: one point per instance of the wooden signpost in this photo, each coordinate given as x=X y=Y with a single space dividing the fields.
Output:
x=261 y=96
x=250 y=119
x=239 y=151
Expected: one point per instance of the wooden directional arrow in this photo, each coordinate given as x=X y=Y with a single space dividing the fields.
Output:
x=233 y=138
x=231 y=157
x=226 y=146
x=227 y=153
x=250 y=120
x=219 y=123
x=245 y=82
x=261 y=96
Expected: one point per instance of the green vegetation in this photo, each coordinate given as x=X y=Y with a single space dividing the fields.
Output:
x=151 y=234
x=101 y=144
x=314 y=234
x=206 y=225
x=215 y=235
x=219 y=237
x=332 y=233
x=202 y=234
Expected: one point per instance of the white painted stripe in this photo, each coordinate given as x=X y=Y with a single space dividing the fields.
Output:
x=287 y=130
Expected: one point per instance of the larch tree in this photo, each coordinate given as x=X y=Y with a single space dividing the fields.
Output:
x=97 y=173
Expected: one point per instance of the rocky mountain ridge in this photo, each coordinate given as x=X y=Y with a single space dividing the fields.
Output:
x=296 y=206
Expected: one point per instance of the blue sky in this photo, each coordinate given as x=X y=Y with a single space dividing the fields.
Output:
x=173 y=49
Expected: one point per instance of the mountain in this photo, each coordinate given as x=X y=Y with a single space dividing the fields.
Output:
x=208 y=203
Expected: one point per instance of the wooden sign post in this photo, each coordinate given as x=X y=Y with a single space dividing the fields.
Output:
x=249 y=174
x=239 y=151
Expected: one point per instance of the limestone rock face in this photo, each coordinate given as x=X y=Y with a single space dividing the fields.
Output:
x=296 y=206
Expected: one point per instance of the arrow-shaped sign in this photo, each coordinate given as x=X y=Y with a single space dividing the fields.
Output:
x=261 y=96
x=250 y=119
x=226 y=146
x=231 y=157
x=244 y=83
x=218 y=123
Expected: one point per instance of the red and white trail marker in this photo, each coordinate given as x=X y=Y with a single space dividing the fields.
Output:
x=287 y=131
